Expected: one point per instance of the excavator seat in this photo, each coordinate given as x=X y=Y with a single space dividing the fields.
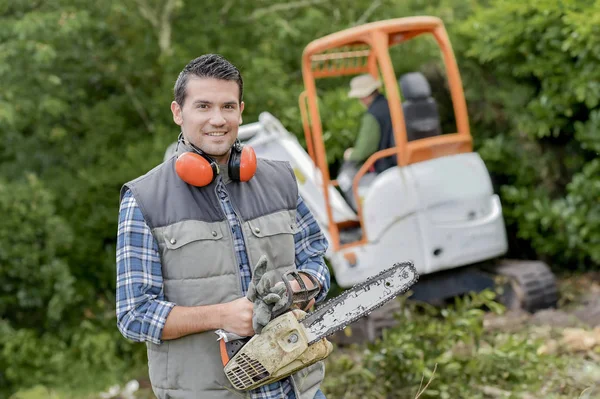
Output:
x=420 y=109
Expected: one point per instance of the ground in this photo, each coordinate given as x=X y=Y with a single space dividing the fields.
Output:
x=572 y=329
x=578 y=308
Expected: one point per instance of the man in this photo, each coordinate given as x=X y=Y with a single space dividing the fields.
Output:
x=185 y=253
x=376 y=131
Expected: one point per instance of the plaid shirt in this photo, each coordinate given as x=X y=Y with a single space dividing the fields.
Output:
x=141 y=306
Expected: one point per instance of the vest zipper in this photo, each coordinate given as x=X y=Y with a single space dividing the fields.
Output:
x=241 y=222
x=235 y=256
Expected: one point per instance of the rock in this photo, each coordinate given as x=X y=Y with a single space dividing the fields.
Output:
x=555 y=318
x=590 y=313
x=580 y=340
x=512 y=320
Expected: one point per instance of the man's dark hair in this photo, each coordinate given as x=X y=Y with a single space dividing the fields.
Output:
x=207 y=66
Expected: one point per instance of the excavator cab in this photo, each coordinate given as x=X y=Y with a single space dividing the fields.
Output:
x=437 y=206
x=416 y=128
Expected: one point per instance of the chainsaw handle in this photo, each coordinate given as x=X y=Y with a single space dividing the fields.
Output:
x=301 y=297
x=230 y=344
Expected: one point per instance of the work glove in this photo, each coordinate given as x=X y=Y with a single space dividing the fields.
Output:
x=267 y=292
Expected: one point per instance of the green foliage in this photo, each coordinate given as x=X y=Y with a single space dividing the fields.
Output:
x=573 y=222
x=35 y=279
x=449 y=348
x=541 y=61
x=90 y=359
x=84 y=107
x=37 y=392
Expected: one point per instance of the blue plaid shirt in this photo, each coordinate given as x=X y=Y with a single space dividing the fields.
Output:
x=141 y=306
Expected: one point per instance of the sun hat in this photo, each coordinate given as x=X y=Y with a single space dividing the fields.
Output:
x=363 y=85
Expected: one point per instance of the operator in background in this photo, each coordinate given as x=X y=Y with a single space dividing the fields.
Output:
x=190 y=235
x=375 y=131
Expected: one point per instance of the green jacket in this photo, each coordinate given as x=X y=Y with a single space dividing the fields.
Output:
x=367 y=141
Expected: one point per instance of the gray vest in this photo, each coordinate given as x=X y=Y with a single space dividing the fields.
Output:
x=199 y=265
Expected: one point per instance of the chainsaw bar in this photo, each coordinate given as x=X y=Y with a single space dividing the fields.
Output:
x=358 y=301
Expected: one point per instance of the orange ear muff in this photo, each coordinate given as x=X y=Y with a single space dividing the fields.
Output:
x=196 y=170
x=247 y=163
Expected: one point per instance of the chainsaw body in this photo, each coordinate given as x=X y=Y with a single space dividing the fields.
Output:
x=295 y=340
x=279 y=351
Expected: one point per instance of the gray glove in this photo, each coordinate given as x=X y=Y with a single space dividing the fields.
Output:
x=267 y=292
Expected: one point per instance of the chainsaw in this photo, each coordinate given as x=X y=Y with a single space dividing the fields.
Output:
x=295 y=339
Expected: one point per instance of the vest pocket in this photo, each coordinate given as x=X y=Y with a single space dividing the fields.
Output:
x=194 y=249
x=273 y=235
x=183 y=234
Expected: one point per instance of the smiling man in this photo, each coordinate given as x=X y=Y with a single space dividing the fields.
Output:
x=192 y=229
x=211 y=114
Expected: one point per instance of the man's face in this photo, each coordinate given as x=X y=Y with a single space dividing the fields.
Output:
x=210 y=116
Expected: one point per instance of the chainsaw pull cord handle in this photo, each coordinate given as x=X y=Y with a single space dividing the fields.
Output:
x=301 y=297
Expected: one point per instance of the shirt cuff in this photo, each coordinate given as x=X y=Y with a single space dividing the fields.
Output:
x=156 y=318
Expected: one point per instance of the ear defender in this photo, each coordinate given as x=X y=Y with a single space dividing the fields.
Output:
x=198 y=169
x=242 y=162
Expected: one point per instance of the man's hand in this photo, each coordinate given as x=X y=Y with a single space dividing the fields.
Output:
x=348 y=153
x=265 y=293
x=309 y=284
x=268 y=293
x=237 y=317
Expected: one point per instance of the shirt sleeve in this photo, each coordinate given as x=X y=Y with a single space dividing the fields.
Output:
x=311 y=246
x=140 y=305
x=367 y=141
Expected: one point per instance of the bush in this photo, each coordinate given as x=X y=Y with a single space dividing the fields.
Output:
x=541 y=62
x=36 y=285
x=449 y=347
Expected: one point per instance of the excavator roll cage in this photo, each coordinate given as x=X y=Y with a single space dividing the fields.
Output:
x=365 y=49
